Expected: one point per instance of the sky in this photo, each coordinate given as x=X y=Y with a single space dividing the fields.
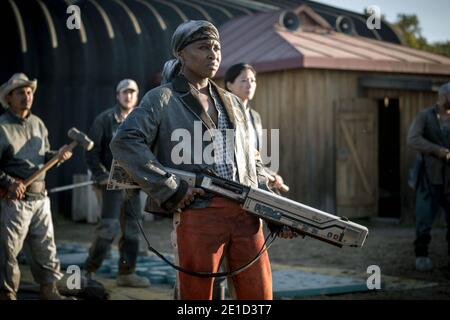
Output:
x=434 y=15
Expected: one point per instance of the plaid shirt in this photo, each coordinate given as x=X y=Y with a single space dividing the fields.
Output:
x=224 y=162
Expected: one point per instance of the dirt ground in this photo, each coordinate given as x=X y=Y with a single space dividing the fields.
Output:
x=389 y=245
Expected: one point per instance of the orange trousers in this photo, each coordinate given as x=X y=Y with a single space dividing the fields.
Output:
x=202 y=236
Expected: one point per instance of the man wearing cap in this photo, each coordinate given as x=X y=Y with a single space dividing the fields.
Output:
x=25 y=217
x=118 y=208
x=429 y=134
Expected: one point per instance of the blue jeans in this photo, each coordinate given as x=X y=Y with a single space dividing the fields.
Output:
x=118 y=214
x=429 y=198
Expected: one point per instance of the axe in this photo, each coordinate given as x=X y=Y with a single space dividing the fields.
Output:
x=78 y=137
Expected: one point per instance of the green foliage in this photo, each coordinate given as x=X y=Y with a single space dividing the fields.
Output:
x=408 y=27
x=440 y=48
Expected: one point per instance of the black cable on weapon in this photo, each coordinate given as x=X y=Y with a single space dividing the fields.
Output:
x=266 y=245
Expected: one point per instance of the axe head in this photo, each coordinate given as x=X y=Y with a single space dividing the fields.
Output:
x=81 y=138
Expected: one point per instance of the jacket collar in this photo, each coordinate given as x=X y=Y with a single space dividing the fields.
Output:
x=181 y=85
x=14 y=117
x=117 y=114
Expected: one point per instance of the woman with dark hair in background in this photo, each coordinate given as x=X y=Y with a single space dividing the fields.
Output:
x=240 y=79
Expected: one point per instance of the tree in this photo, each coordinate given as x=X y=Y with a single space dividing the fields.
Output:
x=410 y=31
x=441 y=48
x=408 y=27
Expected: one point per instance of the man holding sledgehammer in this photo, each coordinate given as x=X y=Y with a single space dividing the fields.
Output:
x=25 y=217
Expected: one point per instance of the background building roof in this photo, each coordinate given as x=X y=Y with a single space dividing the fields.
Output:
x=262 y=41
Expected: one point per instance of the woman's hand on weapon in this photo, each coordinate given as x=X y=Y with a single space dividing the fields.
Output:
x=288 y=233
x=278 y=182
x=190 y=197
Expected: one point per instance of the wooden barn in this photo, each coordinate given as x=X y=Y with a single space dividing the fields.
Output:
x=343 y=104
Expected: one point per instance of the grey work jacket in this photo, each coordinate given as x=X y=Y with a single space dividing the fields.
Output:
x=143 y=143
x=425 y=135
x=24 y=149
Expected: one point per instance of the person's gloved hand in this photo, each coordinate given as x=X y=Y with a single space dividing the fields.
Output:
x=102 y=180
x=283 y=231
x=190 y=197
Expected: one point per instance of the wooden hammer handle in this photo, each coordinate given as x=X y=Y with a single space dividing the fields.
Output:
x=48 y=165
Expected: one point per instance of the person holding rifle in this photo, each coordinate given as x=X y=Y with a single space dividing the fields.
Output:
x=207 y=227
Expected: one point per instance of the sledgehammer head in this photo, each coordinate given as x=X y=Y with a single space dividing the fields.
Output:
x=81 y=138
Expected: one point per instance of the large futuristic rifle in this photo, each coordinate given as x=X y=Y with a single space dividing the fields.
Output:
x=314 y=223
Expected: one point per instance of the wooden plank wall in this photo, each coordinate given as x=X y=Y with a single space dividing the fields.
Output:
x=300 y=104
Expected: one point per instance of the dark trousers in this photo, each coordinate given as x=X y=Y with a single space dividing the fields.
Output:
x=118 y=214
x=429 y=198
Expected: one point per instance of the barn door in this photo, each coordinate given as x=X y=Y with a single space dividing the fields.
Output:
x=356 y=157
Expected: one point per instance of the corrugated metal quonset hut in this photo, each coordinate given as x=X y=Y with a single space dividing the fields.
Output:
x=78 y=69
x=343 y=104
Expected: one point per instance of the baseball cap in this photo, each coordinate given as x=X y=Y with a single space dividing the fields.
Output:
x=127 y=84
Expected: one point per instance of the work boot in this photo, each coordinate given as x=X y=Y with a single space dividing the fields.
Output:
x=49 y=291
x=132 y=280
x=423 y=264
x=7 y=295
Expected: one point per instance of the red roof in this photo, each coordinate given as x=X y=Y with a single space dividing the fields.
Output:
x=259 y=40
